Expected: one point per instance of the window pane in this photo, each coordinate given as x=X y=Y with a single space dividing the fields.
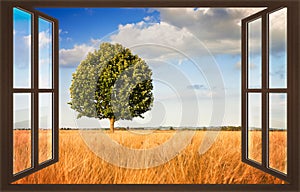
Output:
x=45 y=127
x=278 y=49
x=21 y=132
x=278 y=131
x=254 y=54
x=22 y=49
x=45 y=53
x=254 y=127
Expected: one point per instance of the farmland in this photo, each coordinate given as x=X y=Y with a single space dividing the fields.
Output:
x=221 y=164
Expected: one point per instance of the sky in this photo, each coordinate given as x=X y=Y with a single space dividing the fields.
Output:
x=194 y=53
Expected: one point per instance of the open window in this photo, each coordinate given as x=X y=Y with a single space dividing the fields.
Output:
x=266 y=96
x=29 y=90
x=34 y=93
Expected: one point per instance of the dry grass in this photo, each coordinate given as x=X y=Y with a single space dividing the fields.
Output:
x=221 y=164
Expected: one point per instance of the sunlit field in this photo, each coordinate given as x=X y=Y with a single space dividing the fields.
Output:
x=221 y=164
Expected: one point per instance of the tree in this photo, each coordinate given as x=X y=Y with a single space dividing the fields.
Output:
x=112 y=83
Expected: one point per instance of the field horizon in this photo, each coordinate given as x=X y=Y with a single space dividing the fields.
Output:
x=200 y=128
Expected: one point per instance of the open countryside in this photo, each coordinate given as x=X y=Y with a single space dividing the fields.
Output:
x=221 y=164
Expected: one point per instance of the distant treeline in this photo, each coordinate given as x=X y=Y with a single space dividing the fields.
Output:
x=223 y=128
x=24 y=128
x=67 y=128
x=231 y=128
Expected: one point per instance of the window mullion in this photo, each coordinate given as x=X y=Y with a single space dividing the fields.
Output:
x=265 y=93
x=35 y=90
x=32 y=93
x=244 y=93
x=55 y=75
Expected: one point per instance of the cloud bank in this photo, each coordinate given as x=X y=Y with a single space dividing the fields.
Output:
x=193 y=31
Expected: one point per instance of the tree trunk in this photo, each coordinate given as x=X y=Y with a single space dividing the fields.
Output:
x=112 y=124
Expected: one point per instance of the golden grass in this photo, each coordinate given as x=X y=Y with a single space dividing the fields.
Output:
x=221 y=164
x=21 y=150
x=278 y=150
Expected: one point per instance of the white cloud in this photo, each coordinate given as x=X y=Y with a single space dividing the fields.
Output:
x=62 y=31
x=278 y=26
x=95 y=42
x=27 y=40
x=72 y=57
x=157 y=40
x=218 y=28
x=44 y=39
x=182 y=28
x=148 y=18
x=141 y=33
x=180 y=31
x=209 y=23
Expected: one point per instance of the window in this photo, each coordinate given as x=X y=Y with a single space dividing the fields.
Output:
x=266 y=93
x=34 y=92
x=29 y=91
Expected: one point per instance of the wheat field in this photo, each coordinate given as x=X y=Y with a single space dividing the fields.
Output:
x=221 y=164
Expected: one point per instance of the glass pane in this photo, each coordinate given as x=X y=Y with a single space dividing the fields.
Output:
x=45 y=53
x=254 y=54
x=278 y=49
x=278 y=131
x=22 y=49
x=254 y=127
x=21 y=132
x=45 y=127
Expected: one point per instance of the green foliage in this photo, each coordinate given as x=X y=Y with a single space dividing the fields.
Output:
x=112 y=83
x=231 y=128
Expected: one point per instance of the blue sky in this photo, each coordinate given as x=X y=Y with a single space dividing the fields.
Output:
x=194 y=55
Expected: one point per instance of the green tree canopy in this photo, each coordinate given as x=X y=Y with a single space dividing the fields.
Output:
x=112 y=83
